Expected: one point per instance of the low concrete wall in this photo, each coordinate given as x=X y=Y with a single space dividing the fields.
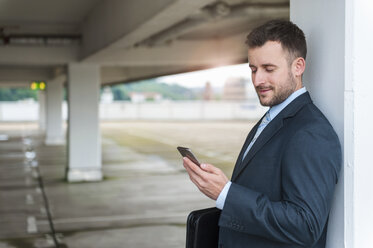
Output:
x=19 y=111
x=165 y=110
x=181 y=110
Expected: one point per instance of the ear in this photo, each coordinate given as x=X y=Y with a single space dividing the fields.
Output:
x=298 y=66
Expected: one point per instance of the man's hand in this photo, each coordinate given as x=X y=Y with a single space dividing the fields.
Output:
x=209 y=179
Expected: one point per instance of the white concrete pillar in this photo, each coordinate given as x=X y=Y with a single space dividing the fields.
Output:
x=84 y=139
x=42 y=110
x=54 y=124
x=340 y=38
x=358 y=121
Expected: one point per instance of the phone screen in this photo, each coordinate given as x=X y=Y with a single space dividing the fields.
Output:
x=187 y=152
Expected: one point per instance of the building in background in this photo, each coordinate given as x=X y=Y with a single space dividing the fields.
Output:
x=137 y=97
x=107 y=95
x=208 y=92
x=236 y=89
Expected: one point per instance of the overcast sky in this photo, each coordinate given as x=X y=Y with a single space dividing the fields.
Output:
x=216 y=76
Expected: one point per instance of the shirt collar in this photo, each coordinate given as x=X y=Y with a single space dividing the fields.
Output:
x=275 y=110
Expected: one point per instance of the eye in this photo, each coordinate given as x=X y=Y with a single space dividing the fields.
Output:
x=269 y=69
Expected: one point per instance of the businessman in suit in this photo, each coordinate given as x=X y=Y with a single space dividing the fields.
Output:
x=282 y=185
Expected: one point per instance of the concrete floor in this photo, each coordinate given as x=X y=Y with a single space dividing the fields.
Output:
x=143 y=201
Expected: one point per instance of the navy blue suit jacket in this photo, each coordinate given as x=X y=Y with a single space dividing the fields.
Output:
x=281 y=192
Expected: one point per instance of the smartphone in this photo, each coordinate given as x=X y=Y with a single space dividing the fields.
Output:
x=187 y=152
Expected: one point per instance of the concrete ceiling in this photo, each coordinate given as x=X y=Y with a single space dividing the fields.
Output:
x=130 y=39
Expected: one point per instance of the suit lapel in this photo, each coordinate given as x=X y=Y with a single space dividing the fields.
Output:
x=272 y=128
x=249 y=137
x=263 y=138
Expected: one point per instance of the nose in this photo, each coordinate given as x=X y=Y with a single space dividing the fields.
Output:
x=258 y=78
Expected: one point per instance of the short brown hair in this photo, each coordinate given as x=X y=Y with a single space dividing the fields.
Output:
x=290 y=36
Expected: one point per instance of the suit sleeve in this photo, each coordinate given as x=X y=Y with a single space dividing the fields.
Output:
x=310 y=166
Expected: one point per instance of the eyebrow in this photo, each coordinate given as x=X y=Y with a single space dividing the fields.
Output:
x=263 y=65
x=269 y=64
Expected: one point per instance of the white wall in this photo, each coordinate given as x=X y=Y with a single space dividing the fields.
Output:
x=324 y=78
x=358 y=119
x=19 y=111
x=323 y=24
x=340 y=38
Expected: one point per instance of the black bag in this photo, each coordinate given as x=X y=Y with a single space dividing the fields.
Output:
x=203 y=228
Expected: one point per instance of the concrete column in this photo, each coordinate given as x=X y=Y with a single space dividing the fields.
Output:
x=338 y=76
x=84 y=140
x=358 y=121
x=54 y=96
x=42 y=111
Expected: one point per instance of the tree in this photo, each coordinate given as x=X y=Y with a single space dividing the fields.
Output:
x=16 y=94
x=173 y=92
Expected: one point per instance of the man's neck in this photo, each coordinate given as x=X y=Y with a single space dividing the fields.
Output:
x=275 y=110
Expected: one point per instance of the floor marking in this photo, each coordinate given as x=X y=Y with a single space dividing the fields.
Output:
x=34 y=163
x=38 y=190
x=31 y=225
x=112 y=218
x=43 y=211
x=29 y=200
x=30 y=155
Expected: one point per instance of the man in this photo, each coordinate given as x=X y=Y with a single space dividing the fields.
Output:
x=282 y=185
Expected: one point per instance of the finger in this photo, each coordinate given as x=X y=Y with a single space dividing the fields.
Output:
x=191 y=172
x=193 y=166
x=210 y=168
x=195 y=178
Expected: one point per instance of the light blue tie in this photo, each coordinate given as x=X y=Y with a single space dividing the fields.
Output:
x=262 y=125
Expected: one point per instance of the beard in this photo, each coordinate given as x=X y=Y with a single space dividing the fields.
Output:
x=280 y=93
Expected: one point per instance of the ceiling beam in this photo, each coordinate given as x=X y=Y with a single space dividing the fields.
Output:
x=19 y=73
x=14 y=77
x=107 y=27
x=182 y=53
x=38 y=55
x=117 y=74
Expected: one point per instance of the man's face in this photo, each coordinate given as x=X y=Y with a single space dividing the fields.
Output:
x=271 y=73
